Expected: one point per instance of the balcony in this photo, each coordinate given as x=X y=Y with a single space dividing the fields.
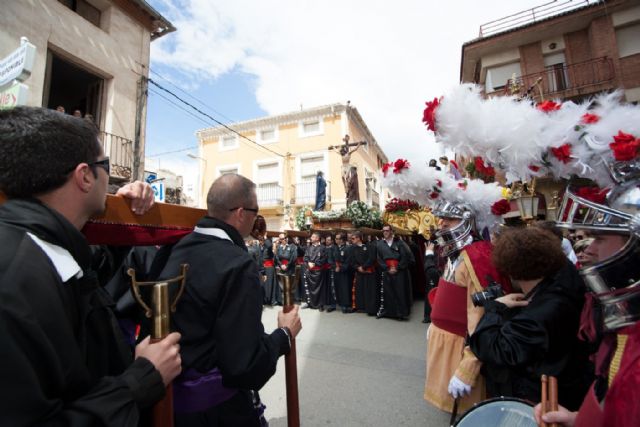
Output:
x=566 y=81
x=531 y=16
x=304 y=193
x=120 y=152
x=269 y=195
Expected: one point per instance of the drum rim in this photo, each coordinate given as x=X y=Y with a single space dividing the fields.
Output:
x=495 y=399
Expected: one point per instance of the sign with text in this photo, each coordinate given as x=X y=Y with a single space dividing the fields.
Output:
x=158 y=190
x=18 y=64
x=14 y=95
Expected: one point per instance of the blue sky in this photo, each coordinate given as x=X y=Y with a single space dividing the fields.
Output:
x=251 y=58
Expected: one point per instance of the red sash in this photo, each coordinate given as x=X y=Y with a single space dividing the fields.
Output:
x=315 y=268
x=338 y=264
x=391 y=263
x=326 y=266
x=268 y=263
x=449 y=310
x=284 y=261
x=369 y=269
x=300 y=260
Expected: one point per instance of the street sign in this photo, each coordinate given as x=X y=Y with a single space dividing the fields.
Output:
x=150 y=177
x=14 y=95
x=158 y=191
x=18 y=64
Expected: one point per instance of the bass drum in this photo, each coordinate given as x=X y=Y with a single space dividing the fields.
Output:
x=499 y=412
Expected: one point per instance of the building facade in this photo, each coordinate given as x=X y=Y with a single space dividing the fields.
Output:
x=572 y=49
x=282 y=154
x=568 y=50
x=91 y=56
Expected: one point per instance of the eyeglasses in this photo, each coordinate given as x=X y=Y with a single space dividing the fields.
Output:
x=104 y=164
x=254 y=210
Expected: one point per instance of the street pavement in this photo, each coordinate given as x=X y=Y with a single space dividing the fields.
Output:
x=355 y=370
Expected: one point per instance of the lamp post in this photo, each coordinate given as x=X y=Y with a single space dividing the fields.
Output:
x=202 y=168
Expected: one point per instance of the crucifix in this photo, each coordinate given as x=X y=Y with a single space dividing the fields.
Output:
x=349 y=172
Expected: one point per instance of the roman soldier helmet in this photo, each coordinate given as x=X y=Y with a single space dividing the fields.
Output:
x=454 y=239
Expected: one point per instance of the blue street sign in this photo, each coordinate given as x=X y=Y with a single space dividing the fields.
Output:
x=158 y=191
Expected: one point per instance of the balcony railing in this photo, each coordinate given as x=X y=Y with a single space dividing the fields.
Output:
x=269 y=195
x=563 y=78
x=120 y=152
x=304 y=193
x=530 y=16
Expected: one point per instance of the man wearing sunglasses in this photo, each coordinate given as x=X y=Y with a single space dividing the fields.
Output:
x=64 y=359
x=227 y=356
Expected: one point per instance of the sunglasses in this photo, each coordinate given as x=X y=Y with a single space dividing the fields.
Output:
x=104 y=164
x=254 y=210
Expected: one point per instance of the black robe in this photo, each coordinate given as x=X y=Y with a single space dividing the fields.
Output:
x=63 y=359
x=286 y=266
x=341 y=278
x=432 y=275
x=366 y=292
x=518 y=345
x=315 y=287
x=396 y=288
x=330 y=276
x=219 y=319
x=272 y=294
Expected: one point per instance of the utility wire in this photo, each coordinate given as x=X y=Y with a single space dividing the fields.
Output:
x=190 y=95
x=214 y=119
x=200 y=119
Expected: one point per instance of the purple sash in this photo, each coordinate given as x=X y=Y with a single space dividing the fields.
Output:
x=197 y=392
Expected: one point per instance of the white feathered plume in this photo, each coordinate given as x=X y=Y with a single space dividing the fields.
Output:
x=428 y=186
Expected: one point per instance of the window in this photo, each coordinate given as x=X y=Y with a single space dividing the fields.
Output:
x=228 y=142
x=497 y=77
x=268 y=176
x=311 y=127
x=84 y=9
x=557 y=77
x=268 y=173
x=267 y=136
x=628 y=39
x=309 y=167
x=225 y=170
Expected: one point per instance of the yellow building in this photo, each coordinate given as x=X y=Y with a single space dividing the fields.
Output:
x=282 y=155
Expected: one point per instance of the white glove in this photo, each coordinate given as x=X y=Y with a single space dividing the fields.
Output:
x=457 y=388
x=428 y=330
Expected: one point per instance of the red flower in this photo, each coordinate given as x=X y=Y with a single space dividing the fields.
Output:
x=482 y=169
x=429 y=114
x=562 y=153
x=589 y=118
x=622 y=137
x=434 y=195
x=438 y=183
x=501 y=207
x=385 y=168
x=399 y=165
x=463 y=184
x=534 y=168
x=623 y=151
x=549 y=106
x=594 y=194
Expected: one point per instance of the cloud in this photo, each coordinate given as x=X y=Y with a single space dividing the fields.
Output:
x=387 y=59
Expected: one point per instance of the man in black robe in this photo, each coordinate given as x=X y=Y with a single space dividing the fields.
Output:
x=432 y=274
x=364 y=259
x=272 y=295
x=393 y=260
x=227 y=356
x=341 y=274
x=315 y=286
x=286 y=255
x=329 y=271
x=63 y=359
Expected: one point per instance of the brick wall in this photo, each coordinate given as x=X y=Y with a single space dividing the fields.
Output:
x=630 y=71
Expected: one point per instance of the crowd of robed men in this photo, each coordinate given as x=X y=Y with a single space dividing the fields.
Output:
x=345 y=270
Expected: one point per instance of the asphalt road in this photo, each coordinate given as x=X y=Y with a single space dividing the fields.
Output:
x=355 y=370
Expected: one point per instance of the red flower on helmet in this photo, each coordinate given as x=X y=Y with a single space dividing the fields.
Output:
x=501 y=207
x=400 y=164
x=438 y=183
x=429 y=114
x=548 y=106
x=625 y=146
x=589 y=118
x=463 y=184
x=482 y=169
x=385 y=168
x=534 y=168
x=434 y=195
x=594 y=194
x=562 y=153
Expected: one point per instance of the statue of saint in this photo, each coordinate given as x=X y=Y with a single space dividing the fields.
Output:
x=349 y=172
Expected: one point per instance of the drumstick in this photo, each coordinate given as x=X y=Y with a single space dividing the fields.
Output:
x=543 y=400
x=553 y=396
